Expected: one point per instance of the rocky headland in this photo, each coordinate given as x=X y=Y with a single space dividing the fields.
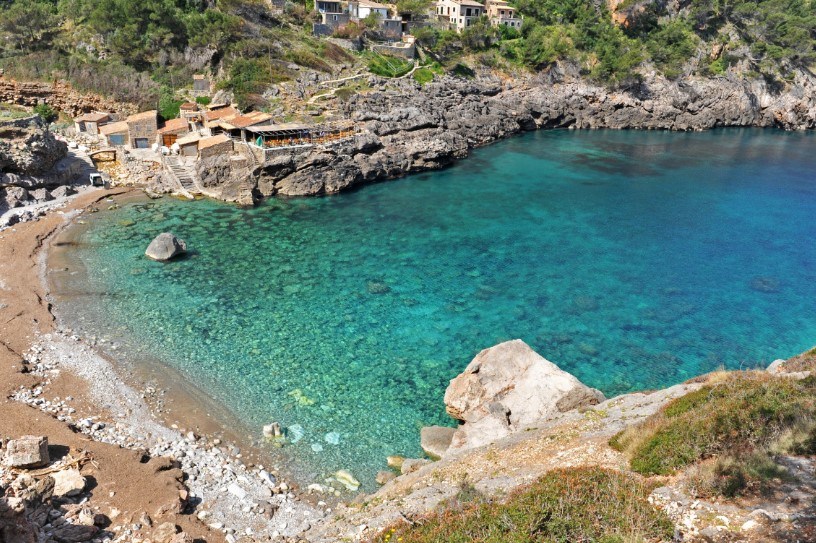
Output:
x=404 y=127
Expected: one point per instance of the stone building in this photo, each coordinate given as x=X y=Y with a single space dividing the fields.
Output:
x=214 y=146
x=201 y=85
x=90 y=123
x=115 y=134
x=172 y=129
x=142 y=129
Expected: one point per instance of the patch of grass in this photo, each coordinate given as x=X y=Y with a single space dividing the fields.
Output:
x=423 y=76
x=565 y=505
x=388 y=66
x=203 y=100
x=747 y=412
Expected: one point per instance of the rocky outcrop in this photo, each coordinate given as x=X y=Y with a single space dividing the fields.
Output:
x=165 y=246
x=28 y=147
x=60 y=96
x=405 y=127
x=508 y=388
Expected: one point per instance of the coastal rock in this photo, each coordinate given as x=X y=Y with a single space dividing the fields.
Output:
x=165 y=247
x=12 y=197
x=410 y=465
x=507 y=388
x=27 y=452
x=395 y=462
x=28 y=147
x=68 y=482
x=435 y=440
x=384 y=477
x=63 y=191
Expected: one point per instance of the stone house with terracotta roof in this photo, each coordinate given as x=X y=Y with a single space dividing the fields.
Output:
x=459 y=14
x=142 y=129
x=172 y=129
x=115 y=134
x=90 y=123
x=214 y=146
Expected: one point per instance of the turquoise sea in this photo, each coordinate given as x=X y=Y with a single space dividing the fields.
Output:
x=634 y=260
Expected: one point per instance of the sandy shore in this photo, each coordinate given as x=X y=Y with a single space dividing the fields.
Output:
x=56 y=384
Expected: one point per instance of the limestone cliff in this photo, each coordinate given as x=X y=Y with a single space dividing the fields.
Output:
x=405 y=127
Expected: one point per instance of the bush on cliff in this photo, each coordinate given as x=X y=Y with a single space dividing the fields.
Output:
x=740 y=419
x=570 y=504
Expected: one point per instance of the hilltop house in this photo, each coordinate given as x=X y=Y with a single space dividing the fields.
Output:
x=501 y=13
x=142 y=129
x=90 y=123
x=460 y=14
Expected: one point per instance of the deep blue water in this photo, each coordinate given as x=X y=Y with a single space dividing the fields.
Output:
x=634 y=260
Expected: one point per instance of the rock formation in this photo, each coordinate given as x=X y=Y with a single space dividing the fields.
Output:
x=406 y=127
x=508 y=388
x=165 y=246
x=28 y=147
x=59 y=95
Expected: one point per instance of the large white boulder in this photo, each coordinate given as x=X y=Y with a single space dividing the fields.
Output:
x=508 y=388
x=165 y=246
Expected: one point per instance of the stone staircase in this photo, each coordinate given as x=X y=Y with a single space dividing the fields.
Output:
x=183 y=175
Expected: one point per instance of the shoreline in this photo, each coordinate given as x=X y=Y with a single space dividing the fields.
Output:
x=86 y=393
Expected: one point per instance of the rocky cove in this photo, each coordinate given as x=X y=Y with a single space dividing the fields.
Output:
x=405 y=127
x=571 y=431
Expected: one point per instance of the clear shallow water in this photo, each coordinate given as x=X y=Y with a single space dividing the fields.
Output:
x=634 y=260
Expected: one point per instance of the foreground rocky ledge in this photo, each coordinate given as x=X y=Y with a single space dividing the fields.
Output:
x=406 y=127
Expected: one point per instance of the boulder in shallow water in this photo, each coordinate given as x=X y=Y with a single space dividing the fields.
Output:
x=165 y=247
x=435 y=440
x=507 y=388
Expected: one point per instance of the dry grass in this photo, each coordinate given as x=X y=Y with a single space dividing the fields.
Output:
x=565 y=505
x=740 y=419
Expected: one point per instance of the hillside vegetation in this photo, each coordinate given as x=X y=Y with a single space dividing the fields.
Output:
x=141 y=52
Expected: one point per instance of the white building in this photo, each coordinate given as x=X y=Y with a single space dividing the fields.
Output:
x=502 y=13
x=360 y=9
x=460 y=13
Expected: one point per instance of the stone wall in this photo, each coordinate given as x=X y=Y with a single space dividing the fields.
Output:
x=224 y=148
x=60 y=96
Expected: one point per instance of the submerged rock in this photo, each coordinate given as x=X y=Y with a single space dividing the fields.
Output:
x=384 y=477
x=165 y=247
x=345 y=478
x=507 y=388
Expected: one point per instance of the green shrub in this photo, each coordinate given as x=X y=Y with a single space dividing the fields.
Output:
x=169 y=105
x=744 y=413
x=565 y=505
x=48 y=113
x=203 y=100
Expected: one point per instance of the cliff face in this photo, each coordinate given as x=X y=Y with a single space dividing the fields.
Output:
x=408 y=128
x=59 y=95
x=28 y=147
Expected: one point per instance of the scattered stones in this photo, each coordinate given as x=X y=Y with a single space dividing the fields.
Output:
x=27 y=452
